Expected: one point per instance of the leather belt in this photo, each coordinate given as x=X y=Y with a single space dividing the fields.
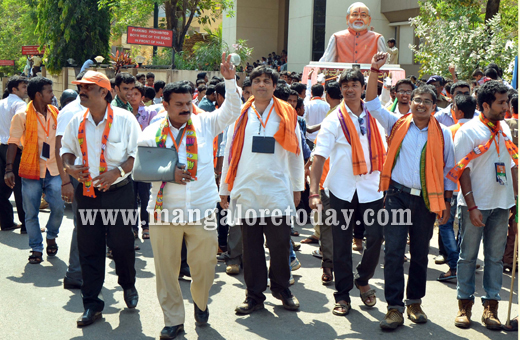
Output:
x=119 y=185
x=413 y=192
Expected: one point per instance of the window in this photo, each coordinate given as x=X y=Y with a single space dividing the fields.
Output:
x=318 y=31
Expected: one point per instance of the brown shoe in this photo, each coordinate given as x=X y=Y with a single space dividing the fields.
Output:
x=233 y=269
x=357 y=244
x=490 y=316
x=463 y=319
x=415 y=313
x=392 y=320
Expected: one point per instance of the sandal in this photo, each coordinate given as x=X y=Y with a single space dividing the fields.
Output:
x=450 y=274
x=146 y=234
x=371 y=293
x=311 y=239
x=345 y=306
x=326 y=279
x=36 y=259
x=52 y=249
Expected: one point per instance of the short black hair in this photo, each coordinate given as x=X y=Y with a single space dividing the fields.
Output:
x=295 y=76
x=282 y=92
x=112 y=83
x=511 y=93
x=458 y=84
x=36 y=85
x=139 y=76
x=495 y=67
x=514 y=103
x=403 y=82
x=299 y=103
x=108 y=97
x=149 y=92
x=246 y=83
x=486 y=92
x=201 y=88
x=333 y=90
x=140 y=87
x=126 y=78
x=477 y=73
x=298 y=87
x=210 y=90
x=15 y=81
x=150 y=75
x=214 y=81
x=491 y=73
x=448 y=86
x=200 y=81
x=220 y=88
x=353 y=74
x=466 y=104
x=262 y=69
x=426 y=89
x=293 y=93
x=317 y=90
x=159 y=84
x=201 y=75
x=392 y=40
x=177 y=87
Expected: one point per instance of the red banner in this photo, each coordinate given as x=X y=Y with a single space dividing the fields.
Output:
x=149 y=36
x=32 y=50
x=6 y=62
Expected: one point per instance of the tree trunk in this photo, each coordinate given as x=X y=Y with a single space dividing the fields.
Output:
x=492 y=8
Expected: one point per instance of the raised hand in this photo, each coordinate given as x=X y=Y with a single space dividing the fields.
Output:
x=227 y=69
x=379 y=59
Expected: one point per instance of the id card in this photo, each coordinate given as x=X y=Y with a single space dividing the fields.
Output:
x=46 y=151
x=263 y=144
x=500 y=170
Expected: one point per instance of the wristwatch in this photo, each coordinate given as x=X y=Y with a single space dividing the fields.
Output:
x=121 y=171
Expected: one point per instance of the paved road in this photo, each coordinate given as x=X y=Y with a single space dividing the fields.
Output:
x=34 y=304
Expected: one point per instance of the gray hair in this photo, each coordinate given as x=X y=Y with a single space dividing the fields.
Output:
x=358 y=4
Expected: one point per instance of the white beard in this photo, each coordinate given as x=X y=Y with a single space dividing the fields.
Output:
x=357 y=27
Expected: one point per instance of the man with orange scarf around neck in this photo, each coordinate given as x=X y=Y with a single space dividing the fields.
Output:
x=356 y=144
x=263 y=173
x=35 y=130
x=420 y=154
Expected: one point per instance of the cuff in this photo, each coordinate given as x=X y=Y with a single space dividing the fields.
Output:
x=231 y=84
x=373 y=105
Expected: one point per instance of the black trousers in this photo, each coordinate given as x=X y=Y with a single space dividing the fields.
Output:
x=342 y=244
x=253 y=257
x=94 y=235
x=142 y=190
x=6 y=209
x=223 y=228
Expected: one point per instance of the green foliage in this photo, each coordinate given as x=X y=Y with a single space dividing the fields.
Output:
x=129 y=13
x=17 y=29
x=73 y=29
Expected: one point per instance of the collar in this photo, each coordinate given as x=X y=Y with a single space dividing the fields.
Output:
x=15 y=97
x=425 y=129
x=363 y=113
x=357 y=33
x=267 y=107
x=463 y=120
x=173 y=128
x=90 y=119
x=397 y=108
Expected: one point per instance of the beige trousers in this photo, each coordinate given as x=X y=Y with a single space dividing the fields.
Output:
x=201 y=244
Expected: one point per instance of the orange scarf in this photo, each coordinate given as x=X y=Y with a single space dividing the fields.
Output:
x=432 y=161
x=478 y=151
x=375 y=144
x=30 y=163
x=285 y=135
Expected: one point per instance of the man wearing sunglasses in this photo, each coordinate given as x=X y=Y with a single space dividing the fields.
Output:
x=356 y=145
x=420 y=154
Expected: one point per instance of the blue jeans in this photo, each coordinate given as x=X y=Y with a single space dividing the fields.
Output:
x=448 y=236
x=494 y=235
x=32 y=193
x=292 y=254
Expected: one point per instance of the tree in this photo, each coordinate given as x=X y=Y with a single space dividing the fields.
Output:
x=74 y=29
x=492 y=7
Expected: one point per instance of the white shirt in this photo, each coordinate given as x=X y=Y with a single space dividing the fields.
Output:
x=8 y=108
x=121 y=144
x=394 y=54
x=200 y=195
x=263 y=181
x=315 y=112
x=157 y=100
x=487 y=192
x=67 y=113
x=341 y=180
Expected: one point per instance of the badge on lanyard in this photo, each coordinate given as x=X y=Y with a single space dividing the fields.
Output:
x=46 y=151
x=500 y=170
x=262 y=144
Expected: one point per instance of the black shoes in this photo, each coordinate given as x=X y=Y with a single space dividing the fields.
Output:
x=248 y=307
x=88 y=318
x=185 y=271
x=171 y=332
x=70 y=284
x=201 y=316
x=289 y=301
x=131 y=297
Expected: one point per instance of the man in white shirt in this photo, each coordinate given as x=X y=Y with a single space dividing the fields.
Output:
x=263 y=175
x=315 y=111
x=404 y=89
x=187 y=207
x=98 y=150
x=17 y=88
x=351 y=186
x=393 y=51
x=489 y=182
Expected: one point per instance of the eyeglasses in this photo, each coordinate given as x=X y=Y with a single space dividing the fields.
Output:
x=363 y=129
x=420 y=101
x=405 y=92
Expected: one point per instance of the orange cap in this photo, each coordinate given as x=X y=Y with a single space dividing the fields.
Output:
x=93 y=77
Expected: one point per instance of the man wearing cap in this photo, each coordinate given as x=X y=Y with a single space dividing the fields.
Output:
x=98 y=150
x=438 y=83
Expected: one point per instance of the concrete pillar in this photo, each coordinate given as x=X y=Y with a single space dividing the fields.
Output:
x=406 y=36
x=299 y=42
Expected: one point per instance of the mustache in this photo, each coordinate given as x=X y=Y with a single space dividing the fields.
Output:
x=83 y=95
x=184 y=113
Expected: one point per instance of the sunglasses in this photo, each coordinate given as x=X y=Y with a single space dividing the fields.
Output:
x=363 y=129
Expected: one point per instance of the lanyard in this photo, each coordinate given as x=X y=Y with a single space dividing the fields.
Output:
x=260 y=117
x=173 y=139
x=496 y=143
x=43 y=125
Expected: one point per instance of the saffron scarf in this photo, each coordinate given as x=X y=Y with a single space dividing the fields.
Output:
x=285 y=135
x=30 y=162
x=191 y=154
x=375 y=143
x=88 y=189
x=432 y=162
x=478 y=151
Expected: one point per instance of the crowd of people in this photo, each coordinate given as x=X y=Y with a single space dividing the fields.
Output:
x=254 y=161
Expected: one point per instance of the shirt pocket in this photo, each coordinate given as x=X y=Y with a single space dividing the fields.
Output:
x=204 y=149
x=115 y=152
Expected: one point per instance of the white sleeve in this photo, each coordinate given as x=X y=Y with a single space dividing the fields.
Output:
x=296 y=166
x=134 y=132
x=69 y=142
x=326 y=138
x=223 y=186
x=381 y=44
x=330 y=53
